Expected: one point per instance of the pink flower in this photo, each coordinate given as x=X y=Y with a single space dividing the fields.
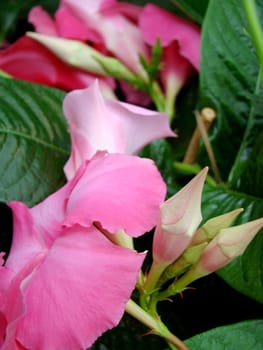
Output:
x=100 y=124
x=180 y=40
x=64 y=282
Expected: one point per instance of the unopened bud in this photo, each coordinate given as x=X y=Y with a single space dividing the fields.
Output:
x=212 y=227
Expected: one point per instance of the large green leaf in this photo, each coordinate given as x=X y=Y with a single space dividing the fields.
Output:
x=230 y=83
x=247 y=173
x=244 y=335
x=228 y=80
x=246 y=272
x=34 y=142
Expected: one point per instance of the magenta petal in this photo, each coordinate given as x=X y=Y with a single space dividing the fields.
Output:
x=78 y=292
x=100 y=124
x=119 y=191
x=171 y=27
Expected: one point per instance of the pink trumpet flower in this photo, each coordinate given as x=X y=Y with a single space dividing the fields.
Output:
x=62 y=271
x=100 y=124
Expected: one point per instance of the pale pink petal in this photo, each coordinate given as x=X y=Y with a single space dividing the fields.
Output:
x=78 y=292
x=89 y=6
x=158 y=23
x=42 y=22
x=99 y=124
x=119 y=191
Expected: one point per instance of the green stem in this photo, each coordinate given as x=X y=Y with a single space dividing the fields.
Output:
x=149 y=286
x=254 y=26
x=157 y=97
x=179 y=285
x=155 y=324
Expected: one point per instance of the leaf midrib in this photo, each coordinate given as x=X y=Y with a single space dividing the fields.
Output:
x=34 y=139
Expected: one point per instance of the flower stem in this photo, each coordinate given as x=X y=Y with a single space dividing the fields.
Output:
x=208 y=115
x=180 y=285
x=155 y=324
x=208 y=146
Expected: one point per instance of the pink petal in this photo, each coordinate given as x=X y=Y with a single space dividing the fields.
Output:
x=42 y=22
x=49 y=214
x=171 y=28
x=128 y=10
x=26 y=244
x=71 y=27
x=176 y=68
x=99 y=124
x=12 y=303
x=119 y=191
x=78 y=292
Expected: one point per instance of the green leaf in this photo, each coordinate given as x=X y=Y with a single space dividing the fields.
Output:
x=193 y=9
x=244 y=335
x=247 y=172
x=14 y=13
x=245 y=273
x=228 y=81
x=34 y=142
x=164 y=3
x=162 y=154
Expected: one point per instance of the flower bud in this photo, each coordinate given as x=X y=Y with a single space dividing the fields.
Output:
x=227 y=245
x=212 y=227
x=72 y=52
x=180 y=217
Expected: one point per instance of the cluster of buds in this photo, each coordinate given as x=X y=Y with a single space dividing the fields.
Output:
x=184 y=251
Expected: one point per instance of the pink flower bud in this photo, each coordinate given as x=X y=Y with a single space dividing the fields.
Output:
x=180 y=217
x=228 y=244
x=212 y=227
